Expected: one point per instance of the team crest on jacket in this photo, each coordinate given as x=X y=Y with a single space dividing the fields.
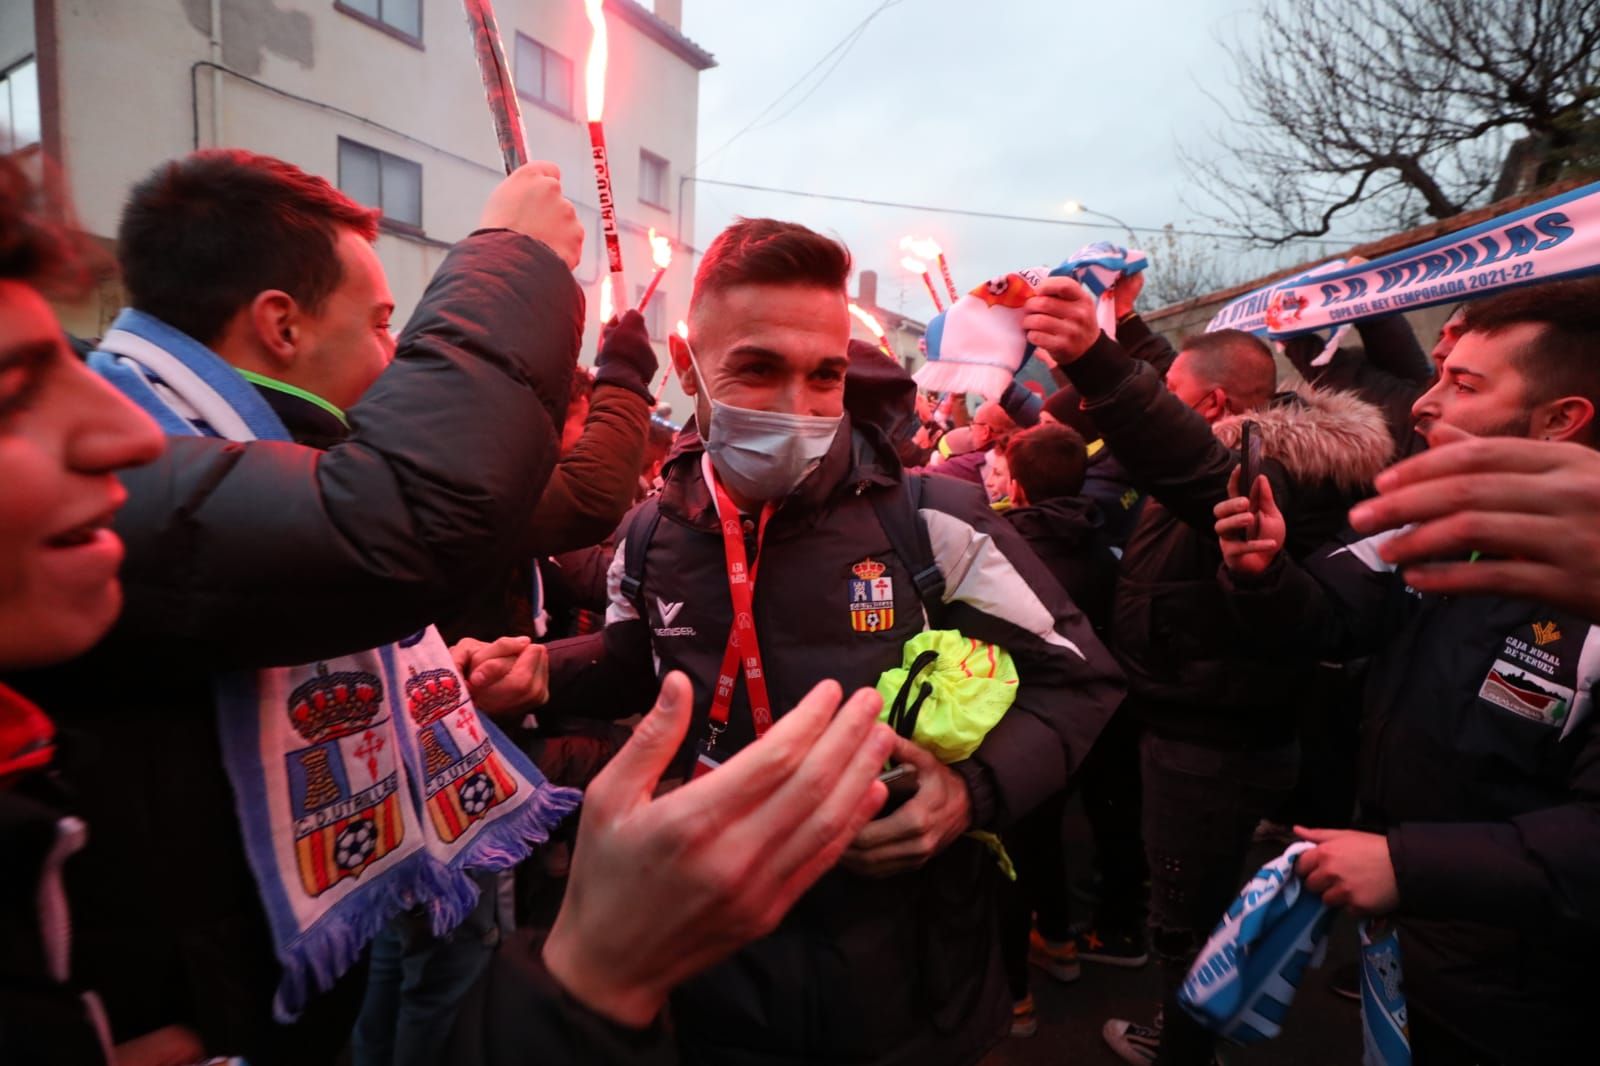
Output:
x=871 y=598
x=463 y=777
x=343 y=787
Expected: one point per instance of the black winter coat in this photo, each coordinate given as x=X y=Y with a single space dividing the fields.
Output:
x=1481 y=762
x=1391 y=371
x=263 y=554
x=900 y=970
x=1068 y=534
x=1186 y=663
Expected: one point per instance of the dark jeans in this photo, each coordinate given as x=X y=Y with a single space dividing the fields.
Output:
x=1108 y=785
x=1330 y=742
x=1200 y=806
x=1112 y=803
x=1040 y=889
x=417 y=982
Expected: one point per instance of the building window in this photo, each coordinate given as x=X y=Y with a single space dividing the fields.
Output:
x=19 y=106
x=387 y=182
x=652 y=179
x=544 y=75
x=398 y=18
x=655 y=315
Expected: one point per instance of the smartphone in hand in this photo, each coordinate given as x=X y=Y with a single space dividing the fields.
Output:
x=1250 y=467
x=903 y=784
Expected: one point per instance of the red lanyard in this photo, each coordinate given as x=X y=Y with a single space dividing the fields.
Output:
x=742 y=650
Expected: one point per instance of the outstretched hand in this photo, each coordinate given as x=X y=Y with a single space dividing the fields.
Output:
x=1125 y=293
x=1250 y=529
x=663 y=887
x=1060 y=320
x=1530 y=507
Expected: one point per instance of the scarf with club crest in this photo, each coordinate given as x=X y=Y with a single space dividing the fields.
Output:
x=366 y=785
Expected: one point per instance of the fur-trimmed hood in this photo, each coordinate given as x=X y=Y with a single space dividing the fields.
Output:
x=1319 y=435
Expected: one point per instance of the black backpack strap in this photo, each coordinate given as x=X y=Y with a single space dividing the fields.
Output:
x=897 y=511
x=635 y=545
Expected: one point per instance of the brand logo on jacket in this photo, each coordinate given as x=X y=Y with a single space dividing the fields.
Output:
x=668 y=613
x=1518 y=692
x=1527 y=679
x=871 y=598
x=1545 y=633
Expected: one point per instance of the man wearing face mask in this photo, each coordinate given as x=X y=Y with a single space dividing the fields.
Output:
x=789 y=526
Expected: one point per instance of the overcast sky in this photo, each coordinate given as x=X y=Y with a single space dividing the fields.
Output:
x=1012 y=108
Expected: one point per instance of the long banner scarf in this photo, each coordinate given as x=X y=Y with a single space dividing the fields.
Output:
x=1253 y=311
x=1249 y=312
x=366 y=785
x=1553 y=239
x=1245 y=977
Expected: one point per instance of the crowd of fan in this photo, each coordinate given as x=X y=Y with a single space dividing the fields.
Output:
x=1387 y=645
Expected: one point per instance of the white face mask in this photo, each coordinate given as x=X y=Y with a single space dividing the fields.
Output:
x=763 y=455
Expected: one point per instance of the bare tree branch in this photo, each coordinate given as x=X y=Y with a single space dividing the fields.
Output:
x=1377 y=113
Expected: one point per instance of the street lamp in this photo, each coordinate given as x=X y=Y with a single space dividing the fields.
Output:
x=1075 y=207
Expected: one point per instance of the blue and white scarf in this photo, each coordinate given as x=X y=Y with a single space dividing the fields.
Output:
x=1548 y=241
x=1098 y=267
x=1245 y=977
x=1255 y=313
x=367 y=784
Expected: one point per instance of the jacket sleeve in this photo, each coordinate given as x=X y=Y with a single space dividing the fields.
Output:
x=1339 y=604
x=610 y=674
x=1532 y=870
x=1135 y=337
x=1391 y=371
x=997 y=590
x=263 y=553
x=592 y=487
x=528 y=1019
x=1391 y=346
x=1168 y=450
x=1021 y=404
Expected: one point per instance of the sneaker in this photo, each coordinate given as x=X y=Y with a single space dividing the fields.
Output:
x=1345 y=981
x=1024 y=1017
x=1058 y=958
x=1131 y=1041
x=1111 y=949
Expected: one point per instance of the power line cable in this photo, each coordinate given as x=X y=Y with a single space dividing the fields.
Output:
x=1001 y=216
x=845 y=42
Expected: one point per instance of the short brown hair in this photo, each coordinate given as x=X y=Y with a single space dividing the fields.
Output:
x=1565 y=360
x=1237 y=362
x=39 y=245
x=1048 y=461
x=765 y=251
x=202 y=235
